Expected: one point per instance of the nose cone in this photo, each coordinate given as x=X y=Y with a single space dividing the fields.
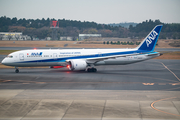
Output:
x=3 y=61
x=7 y=62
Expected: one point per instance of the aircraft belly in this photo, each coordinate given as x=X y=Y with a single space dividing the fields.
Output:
x=34 y=64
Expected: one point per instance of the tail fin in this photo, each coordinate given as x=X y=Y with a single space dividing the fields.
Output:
x=149 y=42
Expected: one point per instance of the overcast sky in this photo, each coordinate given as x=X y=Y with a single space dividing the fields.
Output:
x=100 y=11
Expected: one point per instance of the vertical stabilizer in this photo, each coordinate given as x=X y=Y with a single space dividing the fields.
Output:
x=149 y=42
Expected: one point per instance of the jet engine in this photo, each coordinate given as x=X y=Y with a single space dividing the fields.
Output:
x=77 y=65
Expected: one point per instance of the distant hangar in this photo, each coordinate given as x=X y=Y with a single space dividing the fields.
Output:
x=13 y=36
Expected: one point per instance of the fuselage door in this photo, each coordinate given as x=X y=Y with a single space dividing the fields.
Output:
x=55 y=56
x=21 y=56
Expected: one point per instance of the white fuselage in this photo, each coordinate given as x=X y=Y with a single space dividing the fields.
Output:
x=59 y=57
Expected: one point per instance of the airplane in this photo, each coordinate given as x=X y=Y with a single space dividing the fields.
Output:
x=85 y=59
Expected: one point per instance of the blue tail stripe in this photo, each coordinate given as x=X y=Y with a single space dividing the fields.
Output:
x=150 y=41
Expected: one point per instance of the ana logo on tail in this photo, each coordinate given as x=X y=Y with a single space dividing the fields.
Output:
x=151 y=37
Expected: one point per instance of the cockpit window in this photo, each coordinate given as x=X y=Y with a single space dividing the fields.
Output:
x=9 y=56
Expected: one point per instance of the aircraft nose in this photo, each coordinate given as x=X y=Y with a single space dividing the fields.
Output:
x=7 y=62
x=4 y=61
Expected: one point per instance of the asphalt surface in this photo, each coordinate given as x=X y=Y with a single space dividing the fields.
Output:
x=147 y=75
x=148 y=90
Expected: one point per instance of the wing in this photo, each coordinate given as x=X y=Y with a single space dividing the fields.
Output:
x=95 y=60
x=101 y=58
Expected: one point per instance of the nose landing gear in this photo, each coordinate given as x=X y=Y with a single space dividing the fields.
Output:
x=17 y=70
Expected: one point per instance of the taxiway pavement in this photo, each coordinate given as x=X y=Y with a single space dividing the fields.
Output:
x=148 y=75
x=141 y=91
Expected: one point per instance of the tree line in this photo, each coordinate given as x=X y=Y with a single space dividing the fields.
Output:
x=40 y=28
x=170 y=31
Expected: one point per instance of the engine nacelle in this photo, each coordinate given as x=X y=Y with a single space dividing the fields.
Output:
x=77 y=65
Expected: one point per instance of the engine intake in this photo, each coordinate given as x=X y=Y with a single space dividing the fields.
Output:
x=77 y=65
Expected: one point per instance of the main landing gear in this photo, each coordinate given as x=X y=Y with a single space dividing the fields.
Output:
x=17 y=70
x=92 y=69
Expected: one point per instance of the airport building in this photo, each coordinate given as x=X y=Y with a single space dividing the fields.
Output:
x=86 y=36
x=66 y=38
x=13 y=36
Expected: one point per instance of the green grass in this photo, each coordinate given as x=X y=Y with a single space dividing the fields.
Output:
x=6 y=52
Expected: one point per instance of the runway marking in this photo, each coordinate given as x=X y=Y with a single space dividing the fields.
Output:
x=175 y=65
x=36 y=82
x=152 y=105
x=148 y=83
x=170 y=71
x=174 y=83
